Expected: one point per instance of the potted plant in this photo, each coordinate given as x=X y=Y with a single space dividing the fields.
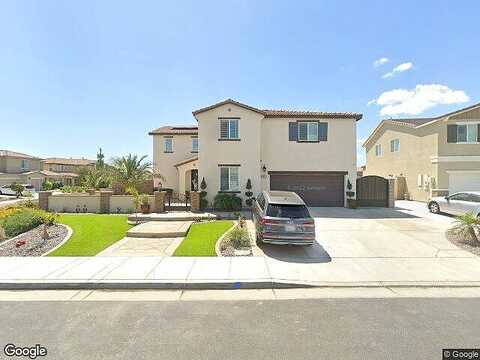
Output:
x=351 y=201
x=144 y=205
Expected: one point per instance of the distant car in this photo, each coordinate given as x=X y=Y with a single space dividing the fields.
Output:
x=457 y=204
x=6 y=190
x=281 y=217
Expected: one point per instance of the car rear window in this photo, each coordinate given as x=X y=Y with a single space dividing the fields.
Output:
x=288 y=211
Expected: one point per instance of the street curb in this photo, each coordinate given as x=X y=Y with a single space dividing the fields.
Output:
x=215 y=285
x=148 y=285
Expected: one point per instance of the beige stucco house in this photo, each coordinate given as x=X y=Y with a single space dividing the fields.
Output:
x=432 y=156
x=27 y=169
x=312 y=153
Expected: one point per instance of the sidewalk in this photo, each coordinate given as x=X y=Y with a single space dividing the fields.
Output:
x=240 y=272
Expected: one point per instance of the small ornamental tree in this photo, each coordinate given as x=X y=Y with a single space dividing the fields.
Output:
x=249 y=193
x=203 y=194
x=349 y=192
x=18 y=188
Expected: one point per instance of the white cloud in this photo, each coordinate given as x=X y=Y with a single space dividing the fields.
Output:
x=418 y=100
x=380 y=62
x=398 y=69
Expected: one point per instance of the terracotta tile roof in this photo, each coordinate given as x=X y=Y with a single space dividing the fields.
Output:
x=51 y=173
x=316 y=114
x=68 y=161
x=16 y=154
x=175 y=130
x=411 y=122
x=282 y=113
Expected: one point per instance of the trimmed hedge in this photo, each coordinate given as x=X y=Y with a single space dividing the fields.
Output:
x=25 y=219
x=227 y=202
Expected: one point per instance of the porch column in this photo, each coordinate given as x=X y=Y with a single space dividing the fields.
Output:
x=159 y=201
x=43 y=199
x=391 y=192
x=195 y=201
x=105 y=201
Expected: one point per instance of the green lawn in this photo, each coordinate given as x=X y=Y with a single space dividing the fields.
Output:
x=201 y=238
x=91 y=233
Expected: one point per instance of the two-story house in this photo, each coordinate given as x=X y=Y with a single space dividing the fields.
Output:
x=13 y=164
x=311 y=153
x=68 y=165
x=435 y=156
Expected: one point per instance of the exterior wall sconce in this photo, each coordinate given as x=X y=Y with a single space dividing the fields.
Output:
x=264 y=168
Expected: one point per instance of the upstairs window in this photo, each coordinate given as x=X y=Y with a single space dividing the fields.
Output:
x=395 y=145
x=229 y=179
x=195 y=145
x=308 y=131
x=25 y=165
x=229 y=129
x=168 y=145
x=463 y=133
x=467 y=133
x=378 y=150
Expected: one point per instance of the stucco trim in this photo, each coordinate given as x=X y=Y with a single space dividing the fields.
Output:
x=453 y=158
x=307 y=172
x=463 y=171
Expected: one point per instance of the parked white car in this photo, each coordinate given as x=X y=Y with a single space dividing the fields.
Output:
x=6 y=190
x=457 y=204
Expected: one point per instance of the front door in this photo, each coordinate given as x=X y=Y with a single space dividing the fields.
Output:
x=194 y=180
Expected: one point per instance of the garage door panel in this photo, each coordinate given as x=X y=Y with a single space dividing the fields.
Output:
x=314 y=189
x=458 y=182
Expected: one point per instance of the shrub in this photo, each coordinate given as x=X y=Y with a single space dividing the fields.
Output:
x=69 y=189
x=227 y=202
x=21 y=220
x=203 y=195
x=18 y=188
x=249 y=193
x=466 y=226
x=239 y=238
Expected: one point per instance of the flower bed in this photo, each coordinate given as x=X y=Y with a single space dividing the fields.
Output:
x=237 y=242
x=32 y=243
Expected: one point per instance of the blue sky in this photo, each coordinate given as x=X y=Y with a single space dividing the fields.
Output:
x=75 y=76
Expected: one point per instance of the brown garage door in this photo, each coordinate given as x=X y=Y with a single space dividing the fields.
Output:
x=315 y=188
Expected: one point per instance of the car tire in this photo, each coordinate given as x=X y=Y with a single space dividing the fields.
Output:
x=434 y=207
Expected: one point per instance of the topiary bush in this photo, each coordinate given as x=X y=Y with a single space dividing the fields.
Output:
x=249 y=193
x=227 y=202
x=203 y=195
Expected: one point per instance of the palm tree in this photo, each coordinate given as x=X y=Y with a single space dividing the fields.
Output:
x=466 y=227
x=96 y=178
x=132 y=171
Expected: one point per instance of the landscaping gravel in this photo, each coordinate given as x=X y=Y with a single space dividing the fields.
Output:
x=465 y=245
x=34 y=244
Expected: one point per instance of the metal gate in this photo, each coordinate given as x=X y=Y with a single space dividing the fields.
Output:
x=372 y=191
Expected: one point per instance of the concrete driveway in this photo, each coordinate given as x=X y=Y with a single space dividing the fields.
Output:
x=406 y=231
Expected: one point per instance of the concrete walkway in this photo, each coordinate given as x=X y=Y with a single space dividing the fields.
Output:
x=129 y=246
x=160 y=229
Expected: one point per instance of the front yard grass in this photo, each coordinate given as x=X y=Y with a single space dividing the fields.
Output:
x=91 y=233
x=201 y=238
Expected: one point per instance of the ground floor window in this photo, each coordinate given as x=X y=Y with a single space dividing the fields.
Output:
x=229 y=178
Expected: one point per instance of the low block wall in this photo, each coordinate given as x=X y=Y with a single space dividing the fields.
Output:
x=74 y=203
x=123 y=204
x=85 y=203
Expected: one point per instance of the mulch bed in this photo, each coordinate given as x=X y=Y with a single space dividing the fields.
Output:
x=465 y=245
x=34 y=244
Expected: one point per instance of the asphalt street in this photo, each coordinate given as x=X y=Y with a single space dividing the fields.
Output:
x=400 y=328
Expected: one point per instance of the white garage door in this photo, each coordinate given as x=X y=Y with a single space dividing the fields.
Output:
x=463 y=181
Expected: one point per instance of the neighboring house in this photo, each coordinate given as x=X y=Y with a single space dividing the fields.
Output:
x=27 y=169
x=311 y=153
x=67 y=165
x=434 y=156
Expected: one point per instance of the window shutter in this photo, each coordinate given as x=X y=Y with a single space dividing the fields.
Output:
x=224 y=181
x=478 y=132
x=292 y=131
x=224 y=129
x=452 y=133
x=322 y=131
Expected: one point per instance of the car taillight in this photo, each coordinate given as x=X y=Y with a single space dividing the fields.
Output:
x=269 y=222
x=309 y=223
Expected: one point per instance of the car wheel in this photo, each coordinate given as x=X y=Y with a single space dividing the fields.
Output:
x=433 y=207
